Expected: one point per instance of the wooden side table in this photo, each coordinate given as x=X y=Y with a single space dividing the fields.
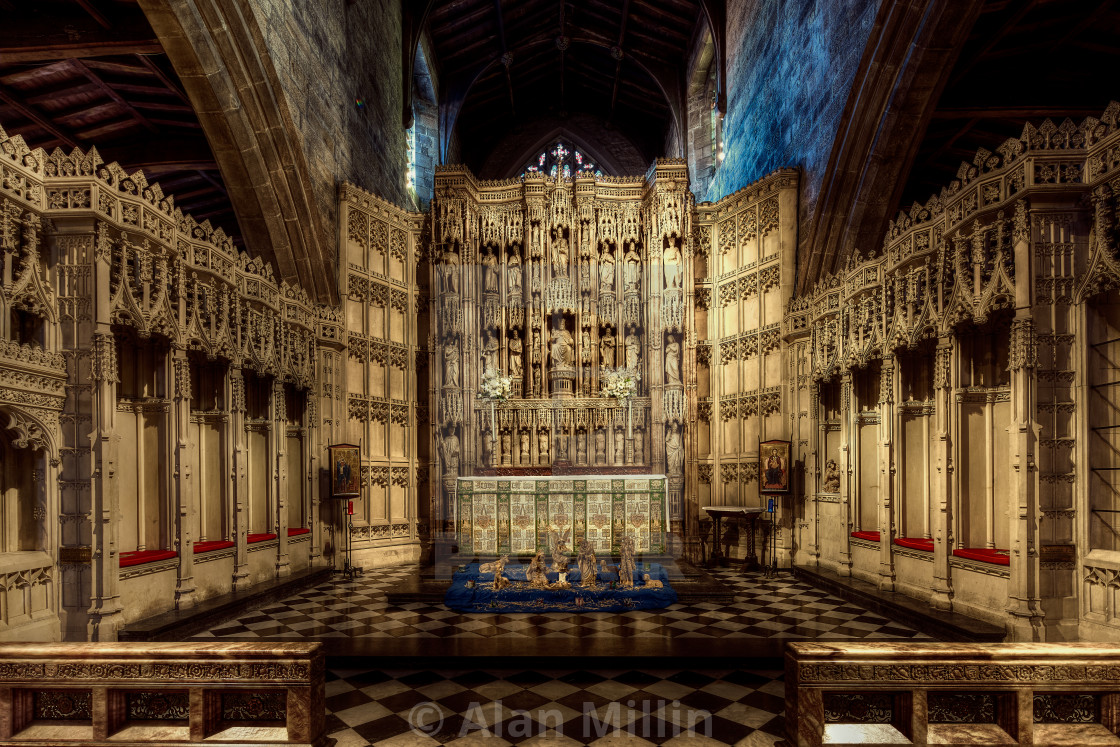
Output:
x=750 y=562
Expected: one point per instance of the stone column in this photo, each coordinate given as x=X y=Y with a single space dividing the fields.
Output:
x=280 y=476
x=238 y=484
x=943 y=484
x=846 y=470
x=888 y=478
x=182 y=479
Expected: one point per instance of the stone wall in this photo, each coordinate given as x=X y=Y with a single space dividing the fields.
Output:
x=790 y=66
x=328 y=55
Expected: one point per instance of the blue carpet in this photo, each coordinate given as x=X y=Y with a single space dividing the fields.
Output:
x=520 y=597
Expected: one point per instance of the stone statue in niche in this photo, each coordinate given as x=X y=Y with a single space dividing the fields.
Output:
x=585 y=559
x=673 y=362
x=619 y=448
x=536 y=278
x=524 y=447
x=489 y=352
x=674 y=451
x=639 y=445
x=581 y=447
x=449 y=450
x=633 y=351
x=672 y=263
x=831 y=477
x=506 y=448
x=490 y=272
x=560 y=255
x=450 y=366
x=606 y=351
x=600 y=446
x=542 y=446
x=585 y=274
x=626 y=563
x=585 y=346
x=563 y=446
x=561 y=349
x=449 y=268
x=514 y=273
x=515 y=363
x=486 y=444
x=606 y=270
x=633 y=267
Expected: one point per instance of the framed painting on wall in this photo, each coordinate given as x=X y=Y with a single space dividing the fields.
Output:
x=773 y=466
x=346 y=470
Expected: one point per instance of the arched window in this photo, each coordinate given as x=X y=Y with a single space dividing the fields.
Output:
x=561 y=161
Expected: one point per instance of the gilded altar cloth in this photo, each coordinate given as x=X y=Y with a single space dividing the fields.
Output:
x=499 y=515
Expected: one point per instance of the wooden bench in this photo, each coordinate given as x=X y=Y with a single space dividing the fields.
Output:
x=162 y=693
x=952 y=693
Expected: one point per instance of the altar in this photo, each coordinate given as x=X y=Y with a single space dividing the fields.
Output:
x=512 y=515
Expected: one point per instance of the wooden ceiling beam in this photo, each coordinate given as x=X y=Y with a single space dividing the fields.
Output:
x=108 y=90
x=1016 y=112
x=15 y=101
x=31 y=35
x=618 y=54
x=94 y=13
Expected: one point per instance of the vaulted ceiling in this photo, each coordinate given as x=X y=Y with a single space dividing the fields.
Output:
x=79 y=73
x=504 y=63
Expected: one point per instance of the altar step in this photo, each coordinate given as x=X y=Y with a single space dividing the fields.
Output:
x=945 y=626
x=693 y=585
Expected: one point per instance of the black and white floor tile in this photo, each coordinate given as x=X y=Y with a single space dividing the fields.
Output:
x=569 y=707
x=780 y=607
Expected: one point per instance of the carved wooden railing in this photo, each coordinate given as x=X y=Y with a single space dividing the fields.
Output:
x=162 y=693
x=952 y=693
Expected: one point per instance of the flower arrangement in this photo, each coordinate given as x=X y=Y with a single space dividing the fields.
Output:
x=620 y=383
x=495 y=387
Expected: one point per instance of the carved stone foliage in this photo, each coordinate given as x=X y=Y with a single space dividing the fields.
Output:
x=952 y=260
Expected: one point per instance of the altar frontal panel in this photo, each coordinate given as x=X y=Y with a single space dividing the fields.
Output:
x=495 y=516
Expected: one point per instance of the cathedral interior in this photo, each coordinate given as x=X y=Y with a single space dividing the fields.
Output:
x=305 y=307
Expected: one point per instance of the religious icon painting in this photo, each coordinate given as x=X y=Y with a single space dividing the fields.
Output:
x=346 y=470
x=773 y=466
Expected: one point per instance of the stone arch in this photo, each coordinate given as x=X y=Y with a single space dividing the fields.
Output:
x=619 y=158
x=218 y=50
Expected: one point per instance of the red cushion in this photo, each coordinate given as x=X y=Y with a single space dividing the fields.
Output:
x=985 y=555
x=261 y=537
x=873 y=536
x=915 y=543
x=209 y=545
x=294 y=531
x=139 y=557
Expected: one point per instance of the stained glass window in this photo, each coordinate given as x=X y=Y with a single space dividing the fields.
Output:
x=564 y=161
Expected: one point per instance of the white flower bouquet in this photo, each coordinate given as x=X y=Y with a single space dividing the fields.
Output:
x=495 y=387
x=620 y=383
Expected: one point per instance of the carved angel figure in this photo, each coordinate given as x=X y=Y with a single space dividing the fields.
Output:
x=626 y=563
x=586 y=561
x=831 y=477
x=536 y=574
x=558 y=547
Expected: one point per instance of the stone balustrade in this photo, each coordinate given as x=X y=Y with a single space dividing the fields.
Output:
x=162 y=693
x=952 y=693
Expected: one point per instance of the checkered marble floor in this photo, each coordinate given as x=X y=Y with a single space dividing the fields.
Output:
x=564 y=707
x=780 y=607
